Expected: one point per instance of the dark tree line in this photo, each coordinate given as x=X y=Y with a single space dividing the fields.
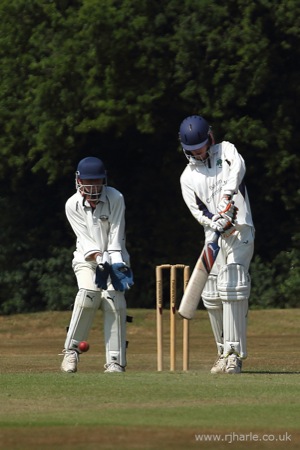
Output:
x=114 y=79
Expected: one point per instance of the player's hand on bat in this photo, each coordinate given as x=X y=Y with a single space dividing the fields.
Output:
x=227 y=208
x=220 y=224
x=230 y=213
x=225 y=200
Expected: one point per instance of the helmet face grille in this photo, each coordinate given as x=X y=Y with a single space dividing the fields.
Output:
x=91 y=192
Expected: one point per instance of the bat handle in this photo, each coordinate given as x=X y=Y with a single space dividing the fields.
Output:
x=216 y=237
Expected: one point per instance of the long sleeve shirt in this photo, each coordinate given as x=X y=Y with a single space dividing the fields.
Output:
x=98 y=229
x=203 y=185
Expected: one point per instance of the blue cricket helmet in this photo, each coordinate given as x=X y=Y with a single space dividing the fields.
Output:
x=194 y=133
x=90 y=168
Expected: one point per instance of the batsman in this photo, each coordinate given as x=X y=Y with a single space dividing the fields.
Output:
x=96 y=213
x=214 y=191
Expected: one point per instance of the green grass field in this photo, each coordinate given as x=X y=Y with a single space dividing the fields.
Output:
x=42 y=408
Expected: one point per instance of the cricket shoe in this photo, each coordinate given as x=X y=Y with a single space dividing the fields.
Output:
x=234 y=364
x=70 y=361
x=219 y=365
x=113 y=367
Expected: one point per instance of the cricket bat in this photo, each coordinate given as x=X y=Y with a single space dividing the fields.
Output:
x=194 y=289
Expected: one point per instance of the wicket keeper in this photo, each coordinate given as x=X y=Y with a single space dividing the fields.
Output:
x=96 y=213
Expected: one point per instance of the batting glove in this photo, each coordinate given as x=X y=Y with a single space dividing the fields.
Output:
x=227 y=208
x=121 y=277
x=220 y=224
x=225 y=201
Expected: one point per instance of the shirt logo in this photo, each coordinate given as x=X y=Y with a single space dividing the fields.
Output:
x=219 y=163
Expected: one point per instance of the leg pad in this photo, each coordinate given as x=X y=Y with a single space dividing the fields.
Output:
x=85 y=307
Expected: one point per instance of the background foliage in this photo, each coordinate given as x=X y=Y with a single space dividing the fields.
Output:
x=114 y=79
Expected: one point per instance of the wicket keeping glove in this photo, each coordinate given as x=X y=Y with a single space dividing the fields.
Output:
x=102 y=272
x=121 y=277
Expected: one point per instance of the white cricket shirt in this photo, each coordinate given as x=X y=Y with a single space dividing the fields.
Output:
x=203 y=185
x=98 y=229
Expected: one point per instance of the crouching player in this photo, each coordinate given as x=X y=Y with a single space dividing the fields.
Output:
x=96 y=213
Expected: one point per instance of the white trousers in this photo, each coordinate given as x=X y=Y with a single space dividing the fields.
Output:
x=237 y=248
x=113 y=306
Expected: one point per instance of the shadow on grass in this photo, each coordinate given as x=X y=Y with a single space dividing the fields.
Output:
x=270 y=372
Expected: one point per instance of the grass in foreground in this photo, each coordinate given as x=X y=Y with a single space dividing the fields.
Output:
x=144 y=409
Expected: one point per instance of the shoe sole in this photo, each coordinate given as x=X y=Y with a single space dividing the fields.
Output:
x=68 y=371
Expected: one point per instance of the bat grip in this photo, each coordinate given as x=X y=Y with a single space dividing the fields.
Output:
x=216 y=237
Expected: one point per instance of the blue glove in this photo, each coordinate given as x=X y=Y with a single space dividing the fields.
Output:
x=121 y=277
x=102 y=273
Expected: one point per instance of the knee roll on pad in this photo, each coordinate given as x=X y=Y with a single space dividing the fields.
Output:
x=85 y=307
x=210 y=294
x=234 y=283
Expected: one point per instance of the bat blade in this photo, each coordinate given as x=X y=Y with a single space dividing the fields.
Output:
x=194 y=289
